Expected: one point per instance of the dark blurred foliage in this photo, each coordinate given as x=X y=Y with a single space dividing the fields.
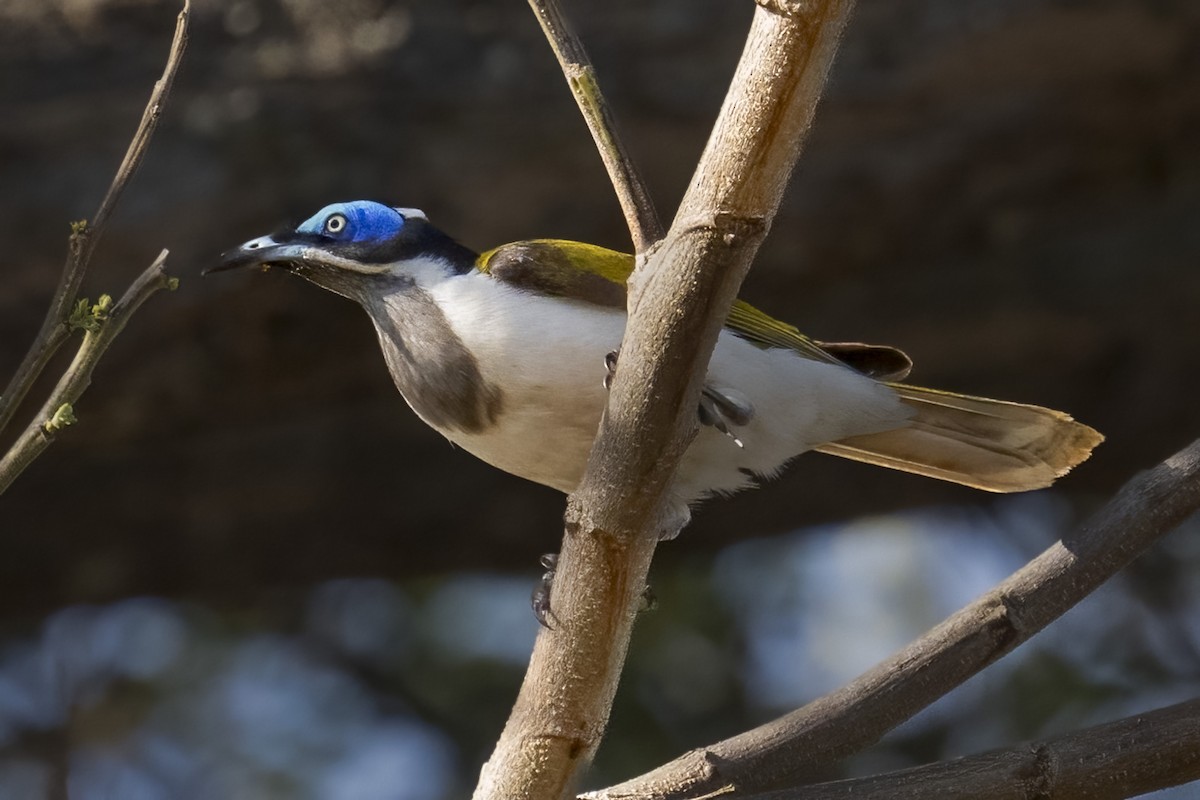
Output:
x=363 y=689
x=296 y=586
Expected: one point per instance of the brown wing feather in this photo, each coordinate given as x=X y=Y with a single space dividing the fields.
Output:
x=988 y=444
x=879 y=361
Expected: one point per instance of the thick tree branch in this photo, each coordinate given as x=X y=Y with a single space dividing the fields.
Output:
x=640 y=216
x=101 y=322
x=56 y=326
x=1119 y=759
x=678 y=306
x=795 y=747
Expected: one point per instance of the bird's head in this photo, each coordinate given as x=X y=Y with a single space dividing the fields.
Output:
x=356 y=248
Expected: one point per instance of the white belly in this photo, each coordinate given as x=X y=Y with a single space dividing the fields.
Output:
x=547 y=357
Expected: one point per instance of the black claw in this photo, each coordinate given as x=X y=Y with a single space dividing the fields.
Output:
x=539 y=601
x=718 y=411
x=649 y=599
x=610 y=366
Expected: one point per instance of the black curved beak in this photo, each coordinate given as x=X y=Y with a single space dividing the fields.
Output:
x=261 y=252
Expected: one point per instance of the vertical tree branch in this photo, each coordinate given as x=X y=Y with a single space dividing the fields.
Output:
x=640 y=215
x=621 y=508
x=56 y=327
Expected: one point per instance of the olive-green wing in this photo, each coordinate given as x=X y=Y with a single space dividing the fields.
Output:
x=561 y=268
x=597 y=275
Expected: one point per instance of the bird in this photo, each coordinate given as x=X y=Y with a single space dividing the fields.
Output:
x=508 y=353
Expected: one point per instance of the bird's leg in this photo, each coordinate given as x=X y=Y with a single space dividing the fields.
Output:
x=717 y=409
x=540 y=599
x=720 y=410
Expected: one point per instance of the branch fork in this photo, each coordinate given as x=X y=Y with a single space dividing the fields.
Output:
x=679 y=294
x=67 y=312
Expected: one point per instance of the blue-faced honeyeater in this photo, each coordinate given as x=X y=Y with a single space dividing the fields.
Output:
x=504 y=354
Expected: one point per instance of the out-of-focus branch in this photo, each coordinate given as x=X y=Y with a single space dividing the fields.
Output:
x=640 y=215
x=678 y=300
x=101 y=323
x=56 y=326
x=790 y=750
x=1119 y=759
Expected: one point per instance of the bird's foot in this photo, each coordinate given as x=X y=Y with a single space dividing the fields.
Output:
x=718 y=409
x=721 y=410
x=649 y=599
x=610 y=368
x=540 y=599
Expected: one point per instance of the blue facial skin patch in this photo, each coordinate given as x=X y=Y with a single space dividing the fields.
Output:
x=357 y=221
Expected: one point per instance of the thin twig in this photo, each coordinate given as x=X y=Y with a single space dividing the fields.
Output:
x=105 y=321
x=1129 y=757
x=792 y=749
x=55 y=327
x=640 y=215
x=621 y=505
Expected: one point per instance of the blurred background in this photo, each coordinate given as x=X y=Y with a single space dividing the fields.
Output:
x=251 y=572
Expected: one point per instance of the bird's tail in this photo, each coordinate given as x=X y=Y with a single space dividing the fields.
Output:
x=988 y=444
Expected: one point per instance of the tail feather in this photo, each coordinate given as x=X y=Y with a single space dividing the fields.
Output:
x=988 y=444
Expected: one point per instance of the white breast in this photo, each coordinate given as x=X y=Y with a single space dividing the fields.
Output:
x=547 y=357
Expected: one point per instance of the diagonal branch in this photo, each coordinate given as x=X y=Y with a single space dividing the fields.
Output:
x=104 y=322
x=56 y=326
x=640 y=216
x=678 y=302
x=1119 y=759
x=793 y=748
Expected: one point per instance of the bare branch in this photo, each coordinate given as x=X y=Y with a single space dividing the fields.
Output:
x=1119 y=759
x=619 y=509
x=791 y=749
x=55 y=327
x=640 y=215
x=103 y=322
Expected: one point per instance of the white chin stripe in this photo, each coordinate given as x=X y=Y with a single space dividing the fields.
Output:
x=409 y=213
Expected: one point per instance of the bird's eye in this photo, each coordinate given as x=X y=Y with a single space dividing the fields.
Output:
x=335 y=224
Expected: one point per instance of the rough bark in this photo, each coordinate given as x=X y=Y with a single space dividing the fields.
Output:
x=1129 y=757
x=679 y=298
